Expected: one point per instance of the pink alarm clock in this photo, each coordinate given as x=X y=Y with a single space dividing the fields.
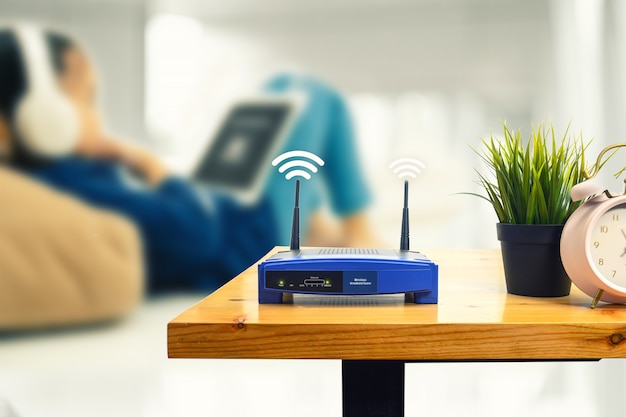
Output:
x=593 y=243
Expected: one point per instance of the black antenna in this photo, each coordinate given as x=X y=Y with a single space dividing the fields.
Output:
x=404 y=234
x=295 y=222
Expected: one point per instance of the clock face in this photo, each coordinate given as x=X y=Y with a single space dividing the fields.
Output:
x=607 y=246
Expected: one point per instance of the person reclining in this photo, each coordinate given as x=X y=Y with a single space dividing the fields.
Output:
x=193 y=237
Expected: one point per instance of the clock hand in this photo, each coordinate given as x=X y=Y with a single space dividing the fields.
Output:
x=623 y=253
x=624 y=232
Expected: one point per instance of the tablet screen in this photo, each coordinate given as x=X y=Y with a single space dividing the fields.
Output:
x=244 y=142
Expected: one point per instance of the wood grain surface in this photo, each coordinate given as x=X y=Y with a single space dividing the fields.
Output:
x=475 y=319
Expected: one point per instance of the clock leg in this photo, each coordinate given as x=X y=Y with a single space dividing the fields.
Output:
x=594 y=303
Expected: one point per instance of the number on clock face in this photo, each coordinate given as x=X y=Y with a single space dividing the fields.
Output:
x=607 y=245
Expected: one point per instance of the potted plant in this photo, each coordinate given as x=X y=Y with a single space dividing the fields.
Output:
x=528 y=184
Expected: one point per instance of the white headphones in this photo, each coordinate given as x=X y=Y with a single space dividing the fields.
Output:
x=45 y=119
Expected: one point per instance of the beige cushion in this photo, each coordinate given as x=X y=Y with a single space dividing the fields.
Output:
x=62 y=262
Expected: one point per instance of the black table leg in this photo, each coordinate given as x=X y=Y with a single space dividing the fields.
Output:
x=373 y=388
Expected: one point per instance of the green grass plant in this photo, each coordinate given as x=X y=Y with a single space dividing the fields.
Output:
x=528 y=182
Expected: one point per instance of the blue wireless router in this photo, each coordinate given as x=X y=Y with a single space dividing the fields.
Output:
x=348 y=271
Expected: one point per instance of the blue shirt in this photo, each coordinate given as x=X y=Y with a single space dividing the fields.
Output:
x=194 y=238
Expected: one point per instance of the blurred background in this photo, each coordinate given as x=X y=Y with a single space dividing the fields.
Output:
x=425 y=79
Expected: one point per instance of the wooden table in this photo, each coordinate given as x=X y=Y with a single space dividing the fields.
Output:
x=475 y=320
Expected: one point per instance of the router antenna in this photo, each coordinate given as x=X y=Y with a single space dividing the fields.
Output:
x=295 y=222
x=404 y=234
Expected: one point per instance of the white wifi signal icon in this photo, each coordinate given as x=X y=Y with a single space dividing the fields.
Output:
x=299 y=167
x=407 y=167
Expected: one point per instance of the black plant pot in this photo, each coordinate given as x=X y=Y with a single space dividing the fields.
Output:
x=532 y=260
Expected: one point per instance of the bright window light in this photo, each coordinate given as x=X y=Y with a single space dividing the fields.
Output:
x=173 y=46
